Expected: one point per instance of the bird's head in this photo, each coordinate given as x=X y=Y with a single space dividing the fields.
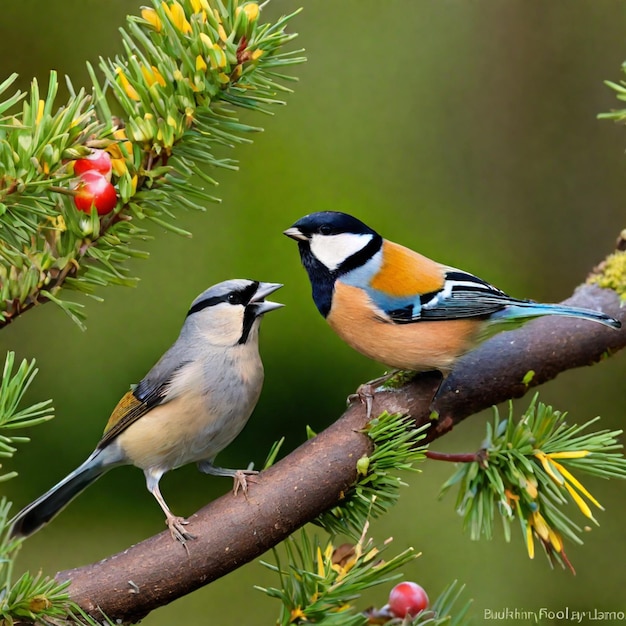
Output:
x=229 y=313
x=336 y=241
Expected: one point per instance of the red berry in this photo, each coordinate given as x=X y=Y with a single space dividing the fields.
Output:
x=98 y=161
x=407 y=598
x=94 y=189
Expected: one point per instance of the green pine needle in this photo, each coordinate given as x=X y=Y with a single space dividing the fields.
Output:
x=273 y=453
x=12 y=389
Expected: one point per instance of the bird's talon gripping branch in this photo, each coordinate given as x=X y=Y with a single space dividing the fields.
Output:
x=177 y=530
x=366 y=392
x=240 y=481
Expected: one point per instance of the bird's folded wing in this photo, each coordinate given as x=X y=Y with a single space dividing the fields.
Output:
x=462 y=296
x=136 y=403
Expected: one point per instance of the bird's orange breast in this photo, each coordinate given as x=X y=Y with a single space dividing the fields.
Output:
x=418 y=346
x=406 y=273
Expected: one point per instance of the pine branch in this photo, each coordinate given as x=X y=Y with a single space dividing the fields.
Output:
x=187 y=66
x=320 y=581
x=316 y=476
x=522 y=473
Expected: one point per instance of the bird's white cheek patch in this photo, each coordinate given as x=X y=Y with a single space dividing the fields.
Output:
x=333 y=250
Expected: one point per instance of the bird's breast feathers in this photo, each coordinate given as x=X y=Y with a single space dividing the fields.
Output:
x=203 y=408
x=420 y=346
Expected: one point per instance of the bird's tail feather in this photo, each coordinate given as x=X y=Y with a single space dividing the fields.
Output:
x=41 y=511
x=525 y=310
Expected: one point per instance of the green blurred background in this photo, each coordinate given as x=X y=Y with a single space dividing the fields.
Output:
x=466 y=130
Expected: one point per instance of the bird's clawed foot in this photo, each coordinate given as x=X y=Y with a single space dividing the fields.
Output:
x=239 y=476
x=177 y=529
x=240 y=481
x=365 y=393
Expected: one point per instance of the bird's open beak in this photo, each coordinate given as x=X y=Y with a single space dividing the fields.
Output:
x=258 y=299
x=295 y=233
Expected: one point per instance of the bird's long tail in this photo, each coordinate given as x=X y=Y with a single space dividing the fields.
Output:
x=43 y=509
x=522 y=310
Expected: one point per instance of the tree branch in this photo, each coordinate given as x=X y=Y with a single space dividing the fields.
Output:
x=234 y=530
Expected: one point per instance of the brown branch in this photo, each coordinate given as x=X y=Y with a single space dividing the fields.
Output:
x=234 y=530
x=462 y=457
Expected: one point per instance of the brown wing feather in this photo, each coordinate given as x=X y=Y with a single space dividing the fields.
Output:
x=127 y=411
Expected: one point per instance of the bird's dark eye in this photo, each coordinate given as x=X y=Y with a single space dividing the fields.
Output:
x=243 y=295
x=325 y=229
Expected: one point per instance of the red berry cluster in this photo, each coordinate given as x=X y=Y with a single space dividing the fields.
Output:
x=93 y=186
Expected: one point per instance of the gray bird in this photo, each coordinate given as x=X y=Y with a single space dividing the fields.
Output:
x=189 y=407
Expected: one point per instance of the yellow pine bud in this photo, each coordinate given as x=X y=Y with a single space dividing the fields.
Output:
x=540 y=525
x=206 y=41
x=320 y=563
x=177 y=14
x=152 y=75
x=119 y=167
x=129 y=90
x=203 y=4
x=40 y=108
x=251 y=10
x=218 y=57
x=120 y=134
x=201 y=65
x=150 y=15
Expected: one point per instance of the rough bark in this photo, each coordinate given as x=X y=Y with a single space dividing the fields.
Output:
x=234 y=530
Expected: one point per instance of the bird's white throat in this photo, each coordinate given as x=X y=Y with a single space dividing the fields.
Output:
x=333 y=250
